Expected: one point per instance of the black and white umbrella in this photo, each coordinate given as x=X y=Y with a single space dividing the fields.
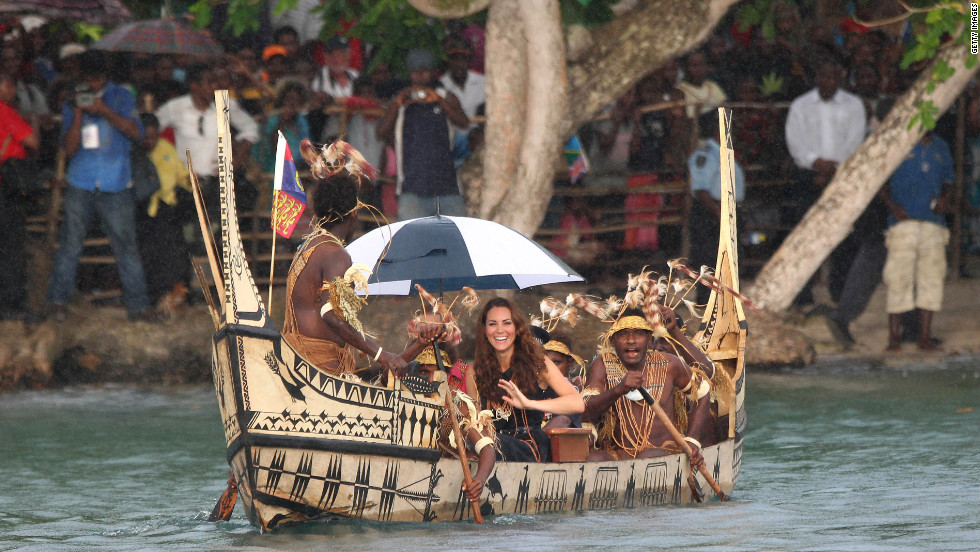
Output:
x=447 y=253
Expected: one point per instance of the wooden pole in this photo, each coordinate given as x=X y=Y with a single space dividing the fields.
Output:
x=216 y=273
x=679 y=439
x=461 y=449
x=272 y=258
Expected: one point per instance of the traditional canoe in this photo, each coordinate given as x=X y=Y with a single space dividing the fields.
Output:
x=305 y=445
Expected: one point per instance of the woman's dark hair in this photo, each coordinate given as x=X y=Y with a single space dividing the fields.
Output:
x=525 y=364
x=336 y=196
x=287 y=87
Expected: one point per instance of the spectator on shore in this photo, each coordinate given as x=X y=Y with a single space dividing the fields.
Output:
x=823 y=128
x=31 y=102
x=334 y=84
x=98 y=129
x=917 y=196
x=418 y=122
x=17 y=136
x=194 y=122
x=856 y=264
x=697 y=87
x=468 y=87
x=287 y=37
x=290 y=119
x=658 y=151
x=161 y=218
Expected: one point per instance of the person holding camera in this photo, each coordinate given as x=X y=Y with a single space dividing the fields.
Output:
x=99 y=125
x=418 y=121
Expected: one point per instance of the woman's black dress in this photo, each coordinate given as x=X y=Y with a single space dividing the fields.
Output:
x=520 y=437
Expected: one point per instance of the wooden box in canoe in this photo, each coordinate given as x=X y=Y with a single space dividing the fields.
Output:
x=305 y=445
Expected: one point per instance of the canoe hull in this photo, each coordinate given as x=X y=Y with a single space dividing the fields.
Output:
x=354 y=450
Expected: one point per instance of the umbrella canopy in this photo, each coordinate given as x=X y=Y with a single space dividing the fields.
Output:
x=447 y=253
x=105 y=12
x=159 y=36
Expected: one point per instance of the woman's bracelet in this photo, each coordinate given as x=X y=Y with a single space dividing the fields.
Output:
x=378 y=354
x=693 y=441
x=327 y=307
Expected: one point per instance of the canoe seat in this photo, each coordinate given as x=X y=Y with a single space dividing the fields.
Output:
x=569 y=444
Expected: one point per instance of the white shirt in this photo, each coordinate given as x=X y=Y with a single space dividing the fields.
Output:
x=831 y=129
x=324 y=83
x=471 y=95
x=708 y=96
x=198 y=131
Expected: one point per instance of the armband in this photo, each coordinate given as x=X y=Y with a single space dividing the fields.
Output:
x=378 y=354
x=693 y=441
x=482 y=443
x=327 y=307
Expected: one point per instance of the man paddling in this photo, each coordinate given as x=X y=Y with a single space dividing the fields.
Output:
x=321 y=305
x=627 y=426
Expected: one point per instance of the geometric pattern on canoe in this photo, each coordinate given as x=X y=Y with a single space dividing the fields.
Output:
x=288 y=474
x=377 y=427
x=346 y=391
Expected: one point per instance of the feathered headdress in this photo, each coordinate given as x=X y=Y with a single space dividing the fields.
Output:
x=467 y=298
x=333 y=158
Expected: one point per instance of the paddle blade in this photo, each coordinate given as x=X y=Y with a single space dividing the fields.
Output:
x=226 y=504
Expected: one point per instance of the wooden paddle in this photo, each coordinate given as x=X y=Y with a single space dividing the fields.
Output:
x=679 y=439
x=226 y=504
x=461 y=450
x=460 y=446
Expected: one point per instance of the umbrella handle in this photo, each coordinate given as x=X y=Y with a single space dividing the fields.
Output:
x=438 y=352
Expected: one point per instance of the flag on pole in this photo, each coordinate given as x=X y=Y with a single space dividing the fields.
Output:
x=578 y=164
x=289 y=198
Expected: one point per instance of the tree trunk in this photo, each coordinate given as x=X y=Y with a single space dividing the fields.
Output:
x=528 y=118
x=506 y=85
x=524 y=207
x=830 y=219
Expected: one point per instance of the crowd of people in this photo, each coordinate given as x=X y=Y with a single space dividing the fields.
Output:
x=108 y=113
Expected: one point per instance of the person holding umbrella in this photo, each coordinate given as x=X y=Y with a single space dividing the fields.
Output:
x=321 y=307
x=518 y=383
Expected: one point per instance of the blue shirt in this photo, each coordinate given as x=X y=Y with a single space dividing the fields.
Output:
x=919 y=180
x=266 y=152
x=105 y=168
x=705 y=168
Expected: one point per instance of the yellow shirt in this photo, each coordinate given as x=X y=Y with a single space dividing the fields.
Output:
x=172 y=172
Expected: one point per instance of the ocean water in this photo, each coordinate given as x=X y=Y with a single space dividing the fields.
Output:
x=854 y=458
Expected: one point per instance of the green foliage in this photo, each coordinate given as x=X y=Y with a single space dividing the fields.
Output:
x=771 y=84
x=586 y=12
x=391 y=26
x=87 y=32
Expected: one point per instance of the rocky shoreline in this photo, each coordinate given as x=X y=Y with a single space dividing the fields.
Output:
x=100 y=345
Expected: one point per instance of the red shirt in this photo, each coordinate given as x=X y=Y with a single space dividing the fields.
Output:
x=14 y=126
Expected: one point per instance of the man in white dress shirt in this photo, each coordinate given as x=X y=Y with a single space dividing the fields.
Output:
x=194 y=121
x=823 y=128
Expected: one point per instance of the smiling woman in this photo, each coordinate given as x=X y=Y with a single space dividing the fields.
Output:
x=518 y=383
